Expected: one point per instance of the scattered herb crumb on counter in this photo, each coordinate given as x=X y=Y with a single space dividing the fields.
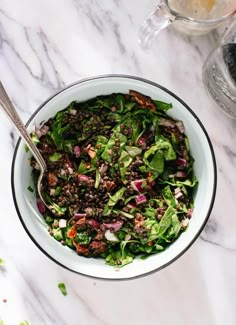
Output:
x=2 y=262
x=119 y=177
x=62 y=288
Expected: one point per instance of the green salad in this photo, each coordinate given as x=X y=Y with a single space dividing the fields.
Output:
x=119 y=178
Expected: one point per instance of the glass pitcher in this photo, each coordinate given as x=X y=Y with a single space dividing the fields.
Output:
x=219 y=72
x=195 y=17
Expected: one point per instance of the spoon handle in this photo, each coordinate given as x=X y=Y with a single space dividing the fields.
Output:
x=12 y=114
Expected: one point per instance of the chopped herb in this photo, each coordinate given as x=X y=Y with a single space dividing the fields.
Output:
x=62 y=288
x=29 y=188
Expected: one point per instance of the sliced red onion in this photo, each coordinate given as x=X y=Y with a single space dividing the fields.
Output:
x=115 y=226
x=83 y=178
x=94 y=223
x=103 y=169
x=180 y=126
x=189 y=213
x=178 y=195
x=68 y=161
x=142 y=142
x=131 y=205
x=52 y=191
x=137 y=185
x=40 y=205
x=181 y=162
x=73 y=111
x=180 y=174
x=77 y=151
x=91 y=153
x=177 y=190
x=78 y=216
x=152 y=128
x=184 y=223
x=140 y=199
x=36 y=166
x=127 y=237
x=110 y=236
x=62 y=223
x=38 y=133
x=165 y=122
x=171 y=175
x=62 y=172
x=44 y=129
x=70 y=170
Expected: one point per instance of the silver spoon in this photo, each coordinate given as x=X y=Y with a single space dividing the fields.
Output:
x=12 y=114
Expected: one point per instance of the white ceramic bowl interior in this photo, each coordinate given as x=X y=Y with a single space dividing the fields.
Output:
x=204 y=169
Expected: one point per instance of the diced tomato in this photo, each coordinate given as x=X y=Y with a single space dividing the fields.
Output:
x=72 y=232
x=80 y=249
x=81 y=221
x=99 y=246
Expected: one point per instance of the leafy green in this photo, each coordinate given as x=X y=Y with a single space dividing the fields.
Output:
x=108 y=150
x=115 y=259
x=59 y=210
x=105 y=102
x=49 y=219
x=55 y=156
x=34 y=138
x=133 y=151
x=125 y=214
x=165 y=145
x=98 y=179
x=124 y=161
x=26 y=148
x=69 y=242
x=116 y=197
x=58 y=130
x=169 y=197
x=120 y=100
x=177 y=183
x=101 y=144
x=82 y=238
x=186 y=143
x=158 y=247
x=62 y=288
x=162 y=105
x=159 y=229
x=57 y=233
x=57 y=191
x=166 y=221
x=154 y=157
x=175 y=228
x=121 y=257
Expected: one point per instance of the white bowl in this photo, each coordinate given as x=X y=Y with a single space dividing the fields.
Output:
x=204 y=168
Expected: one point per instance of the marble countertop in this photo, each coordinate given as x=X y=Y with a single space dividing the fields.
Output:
x=45 y=45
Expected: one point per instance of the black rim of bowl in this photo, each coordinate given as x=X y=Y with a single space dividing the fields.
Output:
x=212 y=156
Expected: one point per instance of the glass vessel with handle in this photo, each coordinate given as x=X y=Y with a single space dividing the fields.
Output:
x=219 y=72
x=194 y=17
